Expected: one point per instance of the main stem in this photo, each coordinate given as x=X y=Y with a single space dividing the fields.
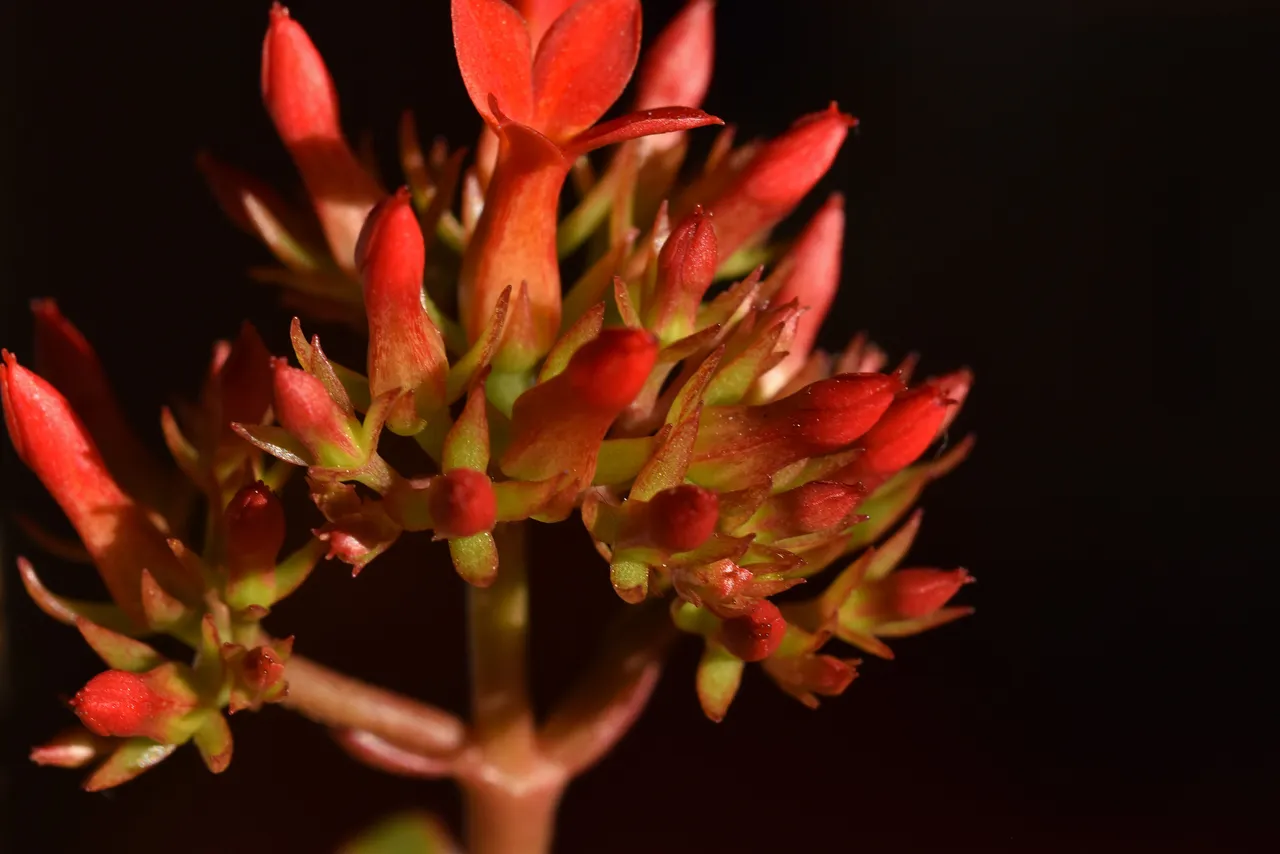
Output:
x=513 y=791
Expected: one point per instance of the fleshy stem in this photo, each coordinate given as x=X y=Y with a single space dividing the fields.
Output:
x=512 y=790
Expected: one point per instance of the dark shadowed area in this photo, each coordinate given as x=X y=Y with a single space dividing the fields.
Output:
x=1079 y=204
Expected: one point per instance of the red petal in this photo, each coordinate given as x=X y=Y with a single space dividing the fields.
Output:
x=583 y=64
x=495 y=57
x=539 y=15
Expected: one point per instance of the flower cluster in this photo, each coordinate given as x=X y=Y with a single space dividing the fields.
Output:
x=671 y=393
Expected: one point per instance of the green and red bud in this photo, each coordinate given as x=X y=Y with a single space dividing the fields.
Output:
x=911 y=593
x=557 y=426
x=778 y=176
x=406 y=350
x=303 y=104
x=686 y=268
x=255 y=530
x=304 y=408
x=739 y=445
x=118 y=533
x=808 y=676
x=755 y=634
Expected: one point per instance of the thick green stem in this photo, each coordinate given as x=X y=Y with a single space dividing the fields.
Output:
x=512 y=790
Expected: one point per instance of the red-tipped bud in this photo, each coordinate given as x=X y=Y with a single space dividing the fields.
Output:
x=243 y=380
x=780 y=174
x=808 y=676
x=116 y=703
x=255 y=529
x=303 y=104
x=74 y=748
x=832 y=413
x=910 y=593
x=683 y=517
x=677 y=67
x=116 y=532
x=739 y=445
x=557 y=426
x=462 y=503
x=754 y=635
x=406 y=351
x=305 y=409
x=64 y=357
x=686 y=268
x=811 y=275
x=815 y=506
x=901 y=435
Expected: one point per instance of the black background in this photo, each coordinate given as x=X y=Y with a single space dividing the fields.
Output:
x=1077 y=201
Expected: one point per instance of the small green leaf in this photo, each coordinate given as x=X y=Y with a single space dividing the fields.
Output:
x=119 y=652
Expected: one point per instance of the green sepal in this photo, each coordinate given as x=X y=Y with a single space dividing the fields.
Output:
x=630 y=579
x=117 y=651
x=213 y=740
x=467 y=443
x=476 y=558
x=67 y=611
x=463 y=372
x=128 y=761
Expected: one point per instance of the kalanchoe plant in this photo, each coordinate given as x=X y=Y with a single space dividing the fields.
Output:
x=715 y=457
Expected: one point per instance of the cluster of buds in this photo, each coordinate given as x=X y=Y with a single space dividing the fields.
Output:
x=717 y=459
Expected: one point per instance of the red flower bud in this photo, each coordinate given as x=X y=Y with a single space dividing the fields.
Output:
x=462 y=503
x=677 y=67
x=68 y=362
x=910 y=593
x=780 y=174
x=808 y=676
x=116 y=703
x=898 y=439
x=754 y=636
x=557 y=426
x=815 y=506
x=262 y=669
x=830 y=414
x=243 y=380
x=811 y=275
x=301 y=99
x=116 y=532
x=738 y=445
x=255 y=529
x=683 y=517
x=305 y=409
x=686 y=268
x=406 y=351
